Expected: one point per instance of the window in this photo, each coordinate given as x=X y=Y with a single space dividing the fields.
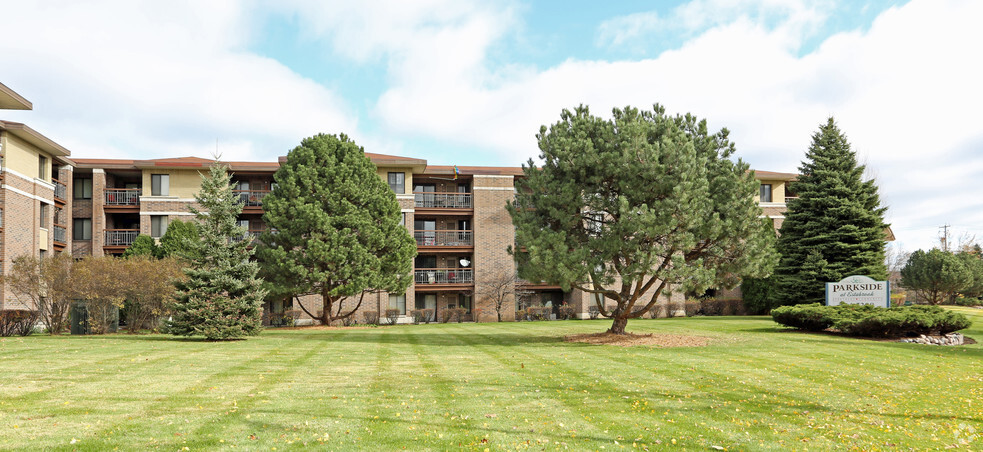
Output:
x=42 y=167
x=44 y=215
x=402 y=219
x=397 y=182
x=398 y=302
x=595 y=223
x=158 y=226
x=160 y=184
x=82 y=189
x=765 y=192
x=82 y=229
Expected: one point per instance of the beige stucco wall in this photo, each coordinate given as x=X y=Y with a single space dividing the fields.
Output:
x=384 y=171
x=777 y=191
x=22 y=157
x=183 y=183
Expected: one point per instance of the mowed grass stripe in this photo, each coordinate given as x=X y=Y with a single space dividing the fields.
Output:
x=753 y=388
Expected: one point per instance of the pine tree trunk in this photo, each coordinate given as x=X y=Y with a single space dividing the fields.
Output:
x=620 y=322
x=326 y=313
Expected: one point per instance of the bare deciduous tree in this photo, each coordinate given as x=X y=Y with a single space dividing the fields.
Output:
x=46 y=285
x=499 y=288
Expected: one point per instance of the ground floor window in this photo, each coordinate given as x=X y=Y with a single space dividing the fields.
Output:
x=398 y=302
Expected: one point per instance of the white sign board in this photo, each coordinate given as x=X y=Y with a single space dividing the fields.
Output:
x=858 y=289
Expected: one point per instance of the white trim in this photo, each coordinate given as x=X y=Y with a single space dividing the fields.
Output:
x=168 y=213
x=98 y=171
x=407 y=210
x=166 y=198
x=67 y=168
x=45 y=183
x=30 y=179
x=771 y=216
x=494 y=188
x=771 y=204
x=22 y=192
x=404 y=196
x=491 y=176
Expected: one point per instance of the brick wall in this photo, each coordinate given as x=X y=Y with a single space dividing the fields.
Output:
x=493 y=233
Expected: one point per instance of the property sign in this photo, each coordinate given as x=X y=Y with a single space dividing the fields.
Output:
x=858 y=289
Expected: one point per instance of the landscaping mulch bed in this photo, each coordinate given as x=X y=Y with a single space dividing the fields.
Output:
x=631 y=340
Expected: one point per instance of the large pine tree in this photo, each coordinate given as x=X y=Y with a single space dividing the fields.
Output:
x=222 y=296
x=338 y=228
x=836 y=226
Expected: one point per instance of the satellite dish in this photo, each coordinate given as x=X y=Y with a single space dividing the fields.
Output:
x=465 y=262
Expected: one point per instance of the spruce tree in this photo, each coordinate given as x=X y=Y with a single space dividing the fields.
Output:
x=836 y=226
x=337 y=228
x=222 y=296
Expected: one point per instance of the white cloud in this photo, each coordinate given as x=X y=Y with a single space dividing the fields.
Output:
x=903 y=91
x=153 y=79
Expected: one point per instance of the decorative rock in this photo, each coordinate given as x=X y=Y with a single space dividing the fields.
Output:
x=948 y=339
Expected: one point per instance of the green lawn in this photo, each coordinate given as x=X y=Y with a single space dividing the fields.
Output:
x=495 y=386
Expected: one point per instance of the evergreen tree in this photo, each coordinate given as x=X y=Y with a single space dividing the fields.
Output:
x=937 y=275
x=337 y=227
x=179 y=240
x=634 y=207
x=836 y=226
x=143 y=245
x=222 y=296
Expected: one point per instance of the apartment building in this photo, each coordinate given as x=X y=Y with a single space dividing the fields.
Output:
x=456 y=215
x=34 y=200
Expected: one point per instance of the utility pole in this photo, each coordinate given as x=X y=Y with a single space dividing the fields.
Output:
x=944 y=239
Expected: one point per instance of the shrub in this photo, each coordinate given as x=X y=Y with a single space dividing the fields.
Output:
x=371 y=317
x=417 y=315
x=539 y=312
x=348 y=320
x=810 y=317
x=758 y=294
x=593 y=312
x=566 y=312
x=961 y=301
x=460 y=314
x=859 y=320
x=392 y=315
x=736 y=306
x=692 y=307
x=18 y=322
x=712 y=306
x=658 y=310
x=898 y=299
x=447 y=315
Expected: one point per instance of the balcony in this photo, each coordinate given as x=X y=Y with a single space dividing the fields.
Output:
x=254 y=233
x=123 y=197
x=121 y=237
x=251 y=198
x=60 y=190
x=445 y=238
x=443 y=276
x=60 y=234
x=445 y=200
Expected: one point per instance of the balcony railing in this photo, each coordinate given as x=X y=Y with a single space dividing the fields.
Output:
x=254 y=233
x=444 y=276
x=60 y=190
x=432 y=200
x=443 y=238
x=59 y=234
x=252 y=198
x=122 y=196
x=121 y=237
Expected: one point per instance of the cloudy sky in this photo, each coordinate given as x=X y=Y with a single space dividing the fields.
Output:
x=469 y=83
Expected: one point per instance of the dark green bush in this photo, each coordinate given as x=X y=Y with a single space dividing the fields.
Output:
x=861 y=320
x=809 y=317
x=758 y=294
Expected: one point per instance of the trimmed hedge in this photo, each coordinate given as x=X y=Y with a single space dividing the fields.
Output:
x=871 y=321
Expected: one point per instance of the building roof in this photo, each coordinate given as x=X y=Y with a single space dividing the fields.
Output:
x=10 y=100
x=32 y=136
x=474 y=170
x=772 y=175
